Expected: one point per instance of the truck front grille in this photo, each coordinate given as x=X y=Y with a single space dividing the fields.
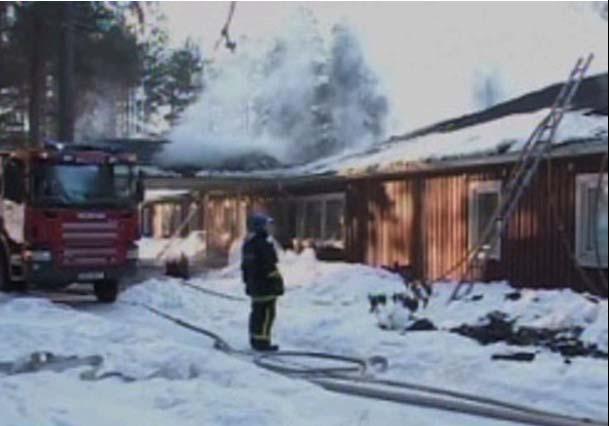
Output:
x=90 y=243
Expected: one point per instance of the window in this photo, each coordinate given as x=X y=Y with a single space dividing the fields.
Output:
x=313 y=220
x=171 y=219
x=592 y=220
x=194 y=213
x=333 y=229
x=89 y=185
x=166 y=220
x=320 y=218
x=484 y=199
x=14 y=180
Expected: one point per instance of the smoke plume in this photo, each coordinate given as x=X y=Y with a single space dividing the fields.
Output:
x=296 y=97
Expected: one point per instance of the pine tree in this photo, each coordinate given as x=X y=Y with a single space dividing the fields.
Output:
x=183 y=80
x=30 y=35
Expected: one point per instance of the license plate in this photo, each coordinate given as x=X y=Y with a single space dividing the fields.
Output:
x=91 y=276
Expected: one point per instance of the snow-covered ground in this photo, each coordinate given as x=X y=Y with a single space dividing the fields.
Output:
x=182 y=380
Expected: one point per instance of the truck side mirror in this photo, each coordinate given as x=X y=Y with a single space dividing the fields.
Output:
x=14 y=181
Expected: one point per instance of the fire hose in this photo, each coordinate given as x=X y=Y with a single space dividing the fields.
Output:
x=353 y=379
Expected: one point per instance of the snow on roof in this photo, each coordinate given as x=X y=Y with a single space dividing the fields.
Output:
x=152 y=195
x=154 y=171
x=500 y=136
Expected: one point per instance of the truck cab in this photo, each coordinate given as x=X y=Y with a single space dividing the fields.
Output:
x=68 y=215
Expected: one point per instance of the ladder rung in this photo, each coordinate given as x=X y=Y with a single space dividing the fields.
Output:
x=548 y=126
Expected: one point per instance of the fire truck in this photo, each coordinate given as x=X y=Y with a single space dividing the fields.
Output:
x=68 y=214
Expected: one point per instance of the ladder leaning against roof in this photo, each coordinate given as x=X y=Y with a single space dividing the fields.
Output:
x=535 y=149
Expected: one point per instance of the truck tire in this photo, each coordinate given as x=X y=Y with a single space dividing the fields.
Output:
x=5 y=282
x=106 y=291
x=6 y=285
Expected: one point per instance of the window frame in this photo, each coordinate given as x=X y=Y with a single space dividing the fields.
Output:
x=324 y=199
x=583 y=183
x=475 y=189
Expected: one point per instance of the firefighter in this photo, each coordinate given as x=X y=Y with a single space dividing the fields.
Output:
x=263 y=281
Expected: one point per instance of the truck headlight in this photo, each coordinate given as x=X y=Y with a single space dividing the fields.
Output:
x=38 y=255
x=133 y=253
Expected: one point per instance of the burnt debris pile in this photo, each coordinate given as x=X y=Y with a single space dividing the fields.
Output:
x=407 y=311
x=497 y=327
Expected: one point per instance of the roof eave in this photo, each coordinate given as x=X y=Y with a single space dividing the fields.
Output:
x=247 y=183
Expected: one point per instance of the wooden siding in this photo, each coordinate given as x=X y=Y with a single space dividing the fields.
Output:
x=422 y=222
x=380 y=218
x=537 y=254
x=445 y=223
x=225 y=219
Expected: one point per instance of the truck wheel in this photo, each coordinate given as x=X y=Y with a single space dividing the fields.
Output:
x=106 y=291
x=6 y=285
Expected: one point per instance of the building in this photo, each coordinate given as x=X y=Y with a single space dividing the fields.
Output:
x=420 y=201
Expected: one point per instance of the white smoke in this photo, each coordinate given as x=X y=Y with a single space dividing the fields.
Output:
x=97 y=113
x=489 y=87
x=296 y=97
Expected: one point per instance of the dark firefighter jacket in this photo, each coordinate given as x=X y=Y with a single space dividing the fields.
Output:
x=259 y=267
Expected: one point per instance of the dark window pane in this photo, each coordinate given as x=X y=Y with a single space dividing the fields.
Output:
x=597 y=218
x=313 y=219
x=84 y=184
x=487 y=202
x=334 y=220
x=589 y=225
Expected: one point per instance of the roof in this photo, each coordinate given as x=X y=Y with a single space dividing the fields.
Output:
x=480 y=142
x=592 y=95
x=161 y=195
x=500 y=140
x=145 y=149
x=477 y=138
x=71 y=153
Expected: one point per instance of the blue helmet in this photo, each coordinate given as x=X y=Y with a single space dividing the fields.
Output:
x=258 y=222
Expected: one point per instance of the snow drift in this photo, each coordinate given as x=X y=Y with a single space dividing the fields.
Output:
x=181 y=379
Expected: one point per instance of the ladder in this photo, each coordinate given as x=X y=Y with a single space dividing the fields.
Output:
x=537 y=147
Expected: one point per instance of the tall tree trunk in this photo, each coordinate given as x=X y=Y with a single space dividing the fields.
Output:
x=66 y=75
x=37 y=83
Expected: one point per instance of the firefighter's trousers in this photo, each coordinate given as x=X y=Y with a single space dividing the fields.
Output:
x=261 y=320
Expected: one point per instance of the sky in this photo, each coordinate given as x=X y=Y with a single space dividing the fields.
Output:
x=428 y=55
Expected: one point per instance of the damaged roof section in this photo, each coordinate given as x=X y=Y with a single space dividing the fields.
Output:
x=592 y=95
x=493 y=135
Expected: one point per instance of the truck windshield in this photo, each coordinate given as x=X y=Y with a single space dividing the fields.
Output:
x=95 y=185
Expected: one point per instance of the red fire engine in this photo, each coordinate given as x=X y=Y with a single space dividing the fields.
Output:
x=68 y=215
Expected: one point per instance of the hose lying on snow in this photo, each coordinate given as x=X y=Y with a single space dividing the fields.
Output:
x=456 y=405
x=339 y=379
x=212 y=292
